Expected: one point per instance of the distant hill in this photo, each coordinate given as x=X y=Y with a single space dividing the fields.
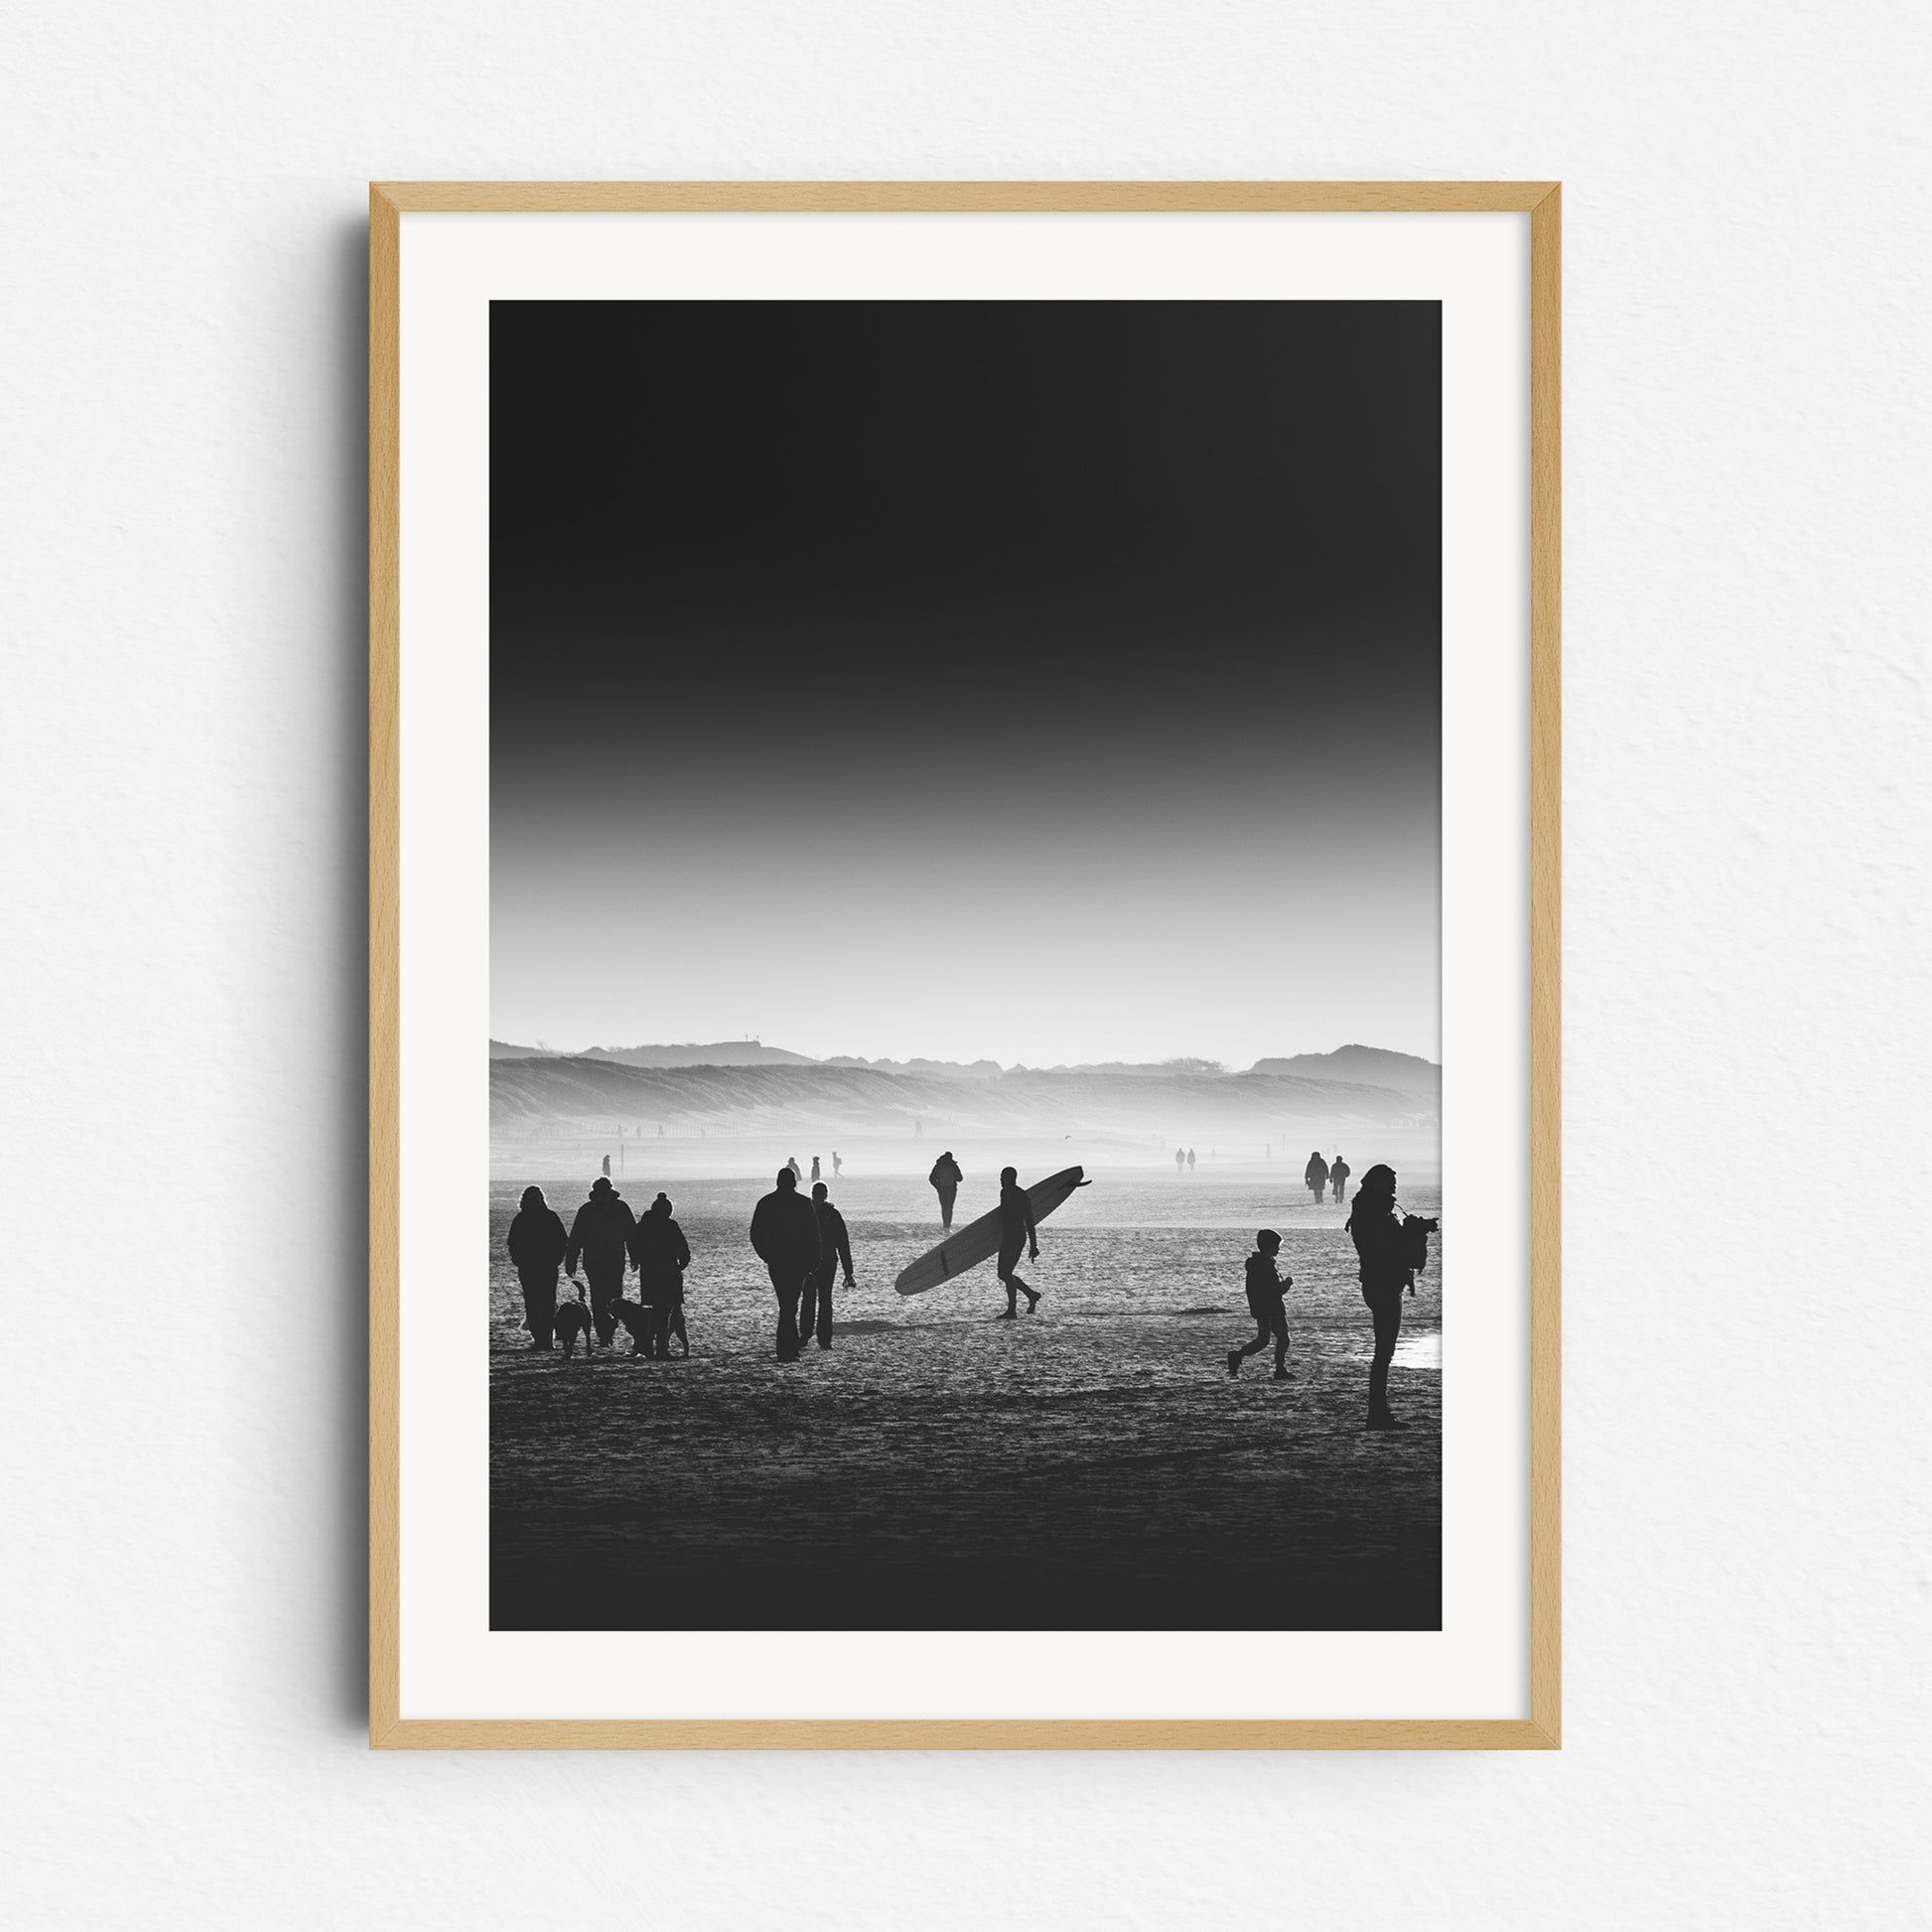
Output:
x=938 y=1069
x=803 y=1096
x=501 y=1050
x=717 y=1053
x=1371 y=1066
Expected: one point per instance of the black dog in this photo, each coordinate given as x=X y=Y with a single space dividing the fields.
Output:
x=574 y=1319
x=640 y=1324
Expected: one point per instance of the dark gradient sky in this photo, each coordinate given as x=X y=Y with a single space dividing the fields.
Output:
x=1043 y=681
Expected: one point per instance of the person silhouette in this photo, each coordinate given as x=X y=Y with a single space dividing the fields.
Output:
x=1179 y=1158
x=837 y=1166
x=1385 y=1273
x=1265 y=1292
x=658 y=1247
x=1015 y=1227
x=1315 y=1174
x=1191 y=1159
x=797 y=1172
x=1338 y=1171
x=834 y=1246
x=600 y=1237
x=814 y=1166
x=784 y=1236
x=536 y=1245
x=945 y=1181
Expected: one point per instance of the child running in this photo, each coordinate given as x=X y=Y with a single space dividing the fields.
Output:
x=1265 y=1290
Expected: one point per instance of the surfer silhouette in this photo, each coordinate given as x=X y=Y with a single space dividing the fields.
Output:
x=1315 y=1174
x=1265 y=1290
x=1015 y=1229
x=536 y=1243
x=1338 y=1171
x=658 y=1247
x=600 y=1237
x=945 y=1179
x=784 y=1236
x=834 y=1247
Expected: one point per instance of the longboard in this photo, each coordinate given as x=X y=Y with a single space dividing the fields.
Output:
x=967 y=1247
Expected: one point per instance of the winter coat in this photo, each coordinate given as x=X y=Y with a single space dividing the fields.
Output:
x=537 y=1239
x=601 y=1234
x=784 y=1230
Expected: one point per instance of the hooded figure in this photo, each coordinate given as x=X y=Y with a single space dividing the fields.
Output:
x=1385 y=1273
x=784 y=1236
x=834 y=1247
x=658 y=1247
x=945 y=1179
x=1315 y=1174
x=600 y=1237
x=536 y=1246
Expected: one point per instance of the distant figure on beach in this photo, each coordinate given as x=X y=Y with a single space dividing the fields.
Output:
x=797 y=1172
x=1338 y=1171
x=945 y=1179
x=536 y=1243
x=784 y=1236
x=814 y=1166
x=658 y=1247
x=1191 y=1159
x=1015 y=1227
x=1387 y=1249
x=834 y=1247
x=600 y=1237
x=1265 y=1292
x=1179 y=1158
x=1315 y=1174
x=837 y=1165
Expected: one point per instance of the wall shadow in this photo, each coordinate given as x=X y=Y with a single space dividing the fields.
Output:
x=347 y=727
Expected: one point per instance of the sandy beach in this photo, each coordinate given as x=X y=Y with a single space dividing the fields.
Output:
x=1091 y=1467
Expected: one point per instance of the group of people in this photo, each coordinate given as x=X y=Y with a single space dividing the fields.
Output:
x=804 y=1244
x=1389 y=1246
x=1331 y=1175
x=609 y=1240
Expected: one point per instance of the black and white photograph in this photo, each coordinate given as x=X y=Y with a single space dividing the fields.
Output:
x=965 y=975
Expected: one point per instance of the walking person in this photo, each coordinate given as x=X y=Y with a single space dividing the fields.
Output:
x=1315 y=1174
x=600 y=1237
x=1015 y=1229
x=945 y=1181
x=834 y=1247
x=1338 y=1171
x=1191 y=1159
x=1389 y=1250
x=837 y=1163
x=784 y=1236
x=1179 y=1161
x=536 y=1244
x=1265 y=1304
x=658 y=1247
x=797 y=1172
x=814 y=1166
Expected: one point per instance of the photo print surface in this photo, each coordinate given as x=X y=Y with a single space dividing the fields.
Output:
x=927 y=740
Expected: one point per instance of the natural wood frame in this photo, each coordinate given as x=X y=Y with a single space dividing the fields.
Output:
x=1541 y=1731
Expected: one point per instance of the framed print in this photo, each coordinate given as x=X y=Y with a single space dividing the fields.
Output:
x=964 y=978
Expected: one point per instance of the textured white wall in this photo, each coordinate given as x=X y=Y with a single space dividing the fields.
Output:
x=181 y=493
